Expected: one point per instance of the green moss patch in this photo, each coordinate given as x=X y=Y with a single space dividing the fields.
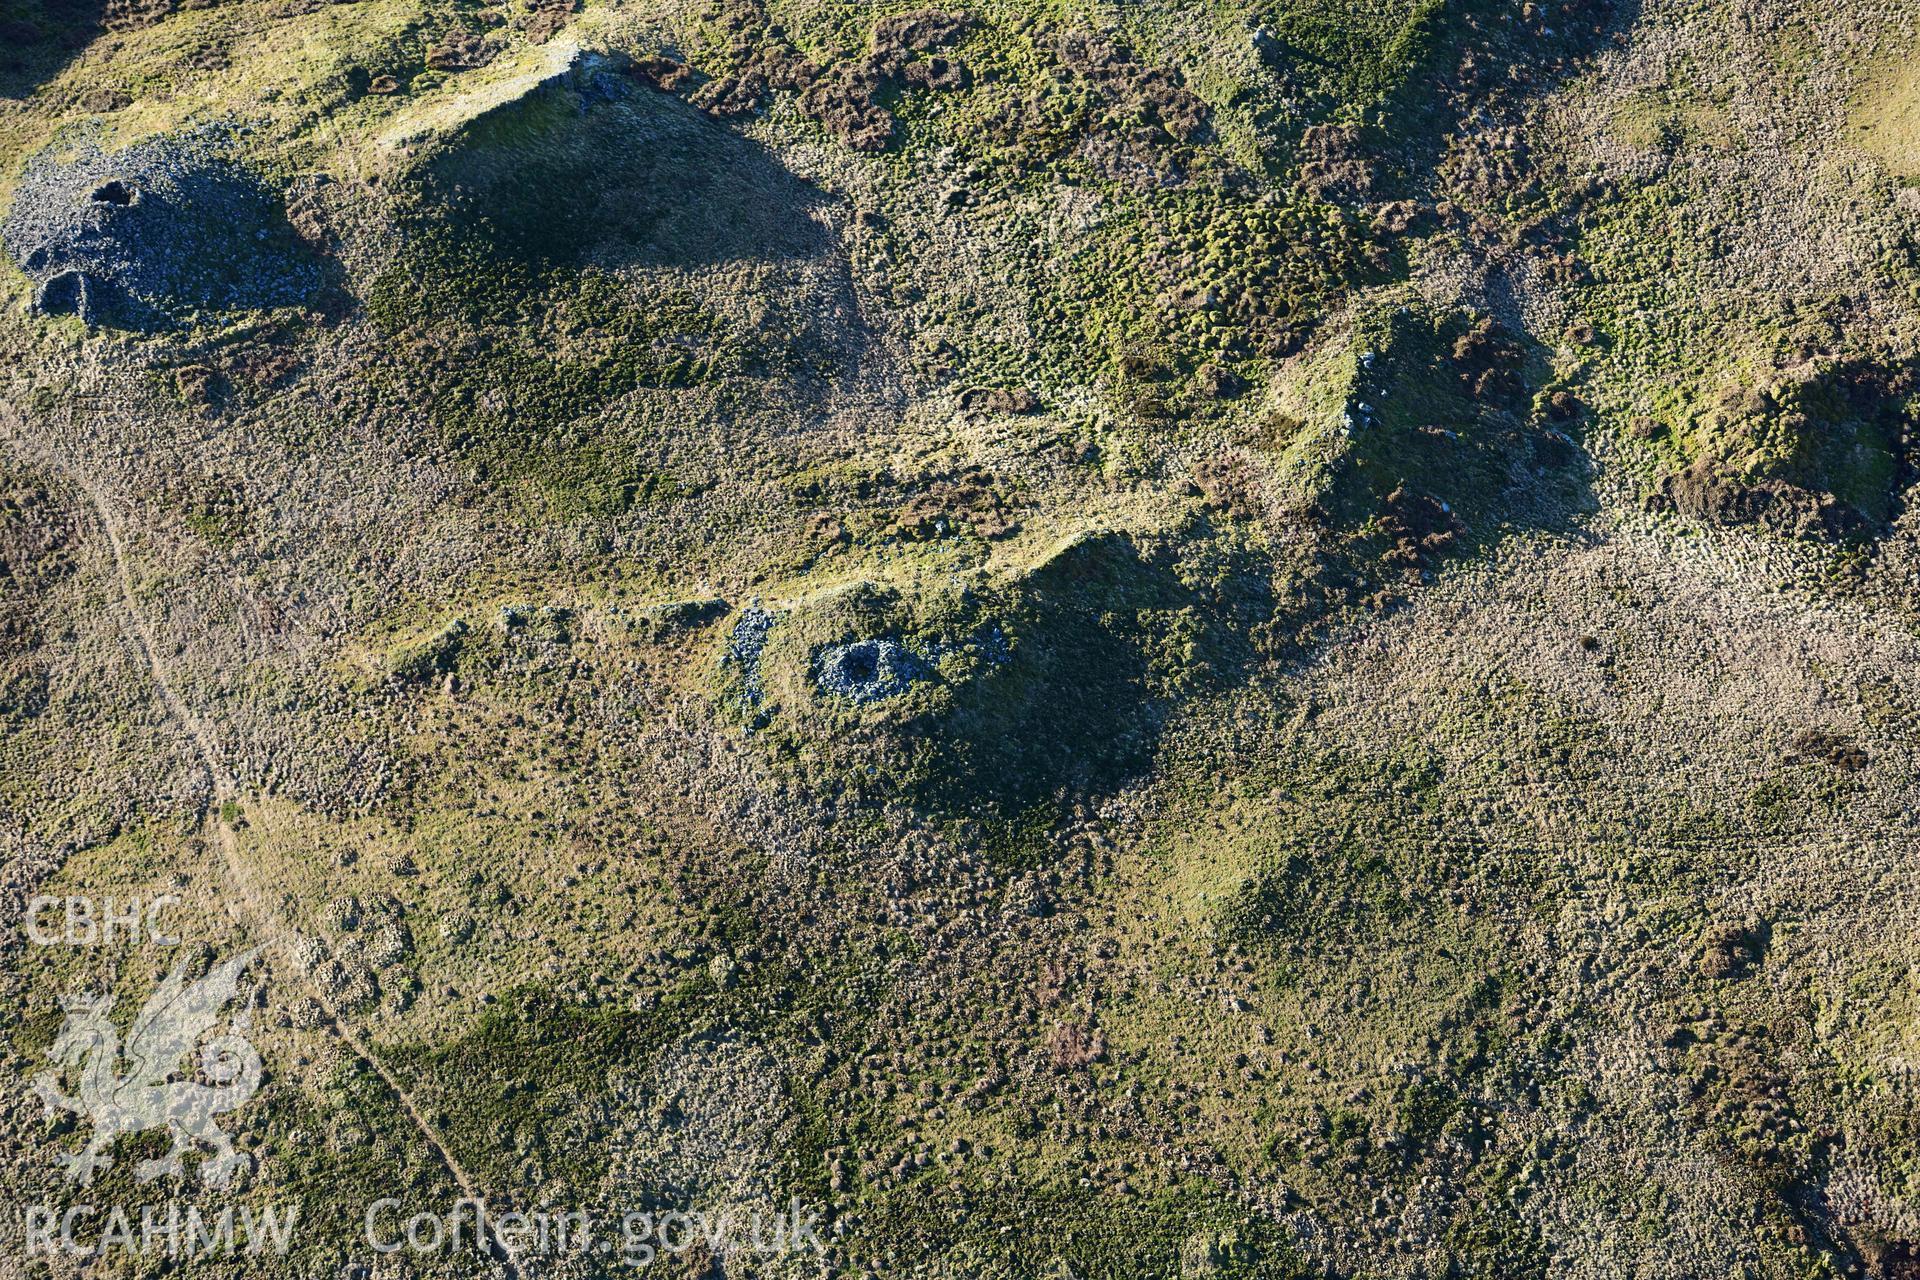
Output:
x=1821 y=449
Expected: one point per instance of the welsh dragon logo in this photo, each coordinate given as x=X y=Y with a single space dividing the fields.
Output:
x=168 y=1028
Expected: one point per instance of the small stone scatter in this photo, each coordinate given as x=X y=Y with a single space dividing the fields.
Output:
x=147 y=237
x=868 y=670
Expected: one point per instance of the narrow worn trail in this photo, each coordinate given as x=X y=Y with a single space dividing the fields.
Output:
x=225 y=789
